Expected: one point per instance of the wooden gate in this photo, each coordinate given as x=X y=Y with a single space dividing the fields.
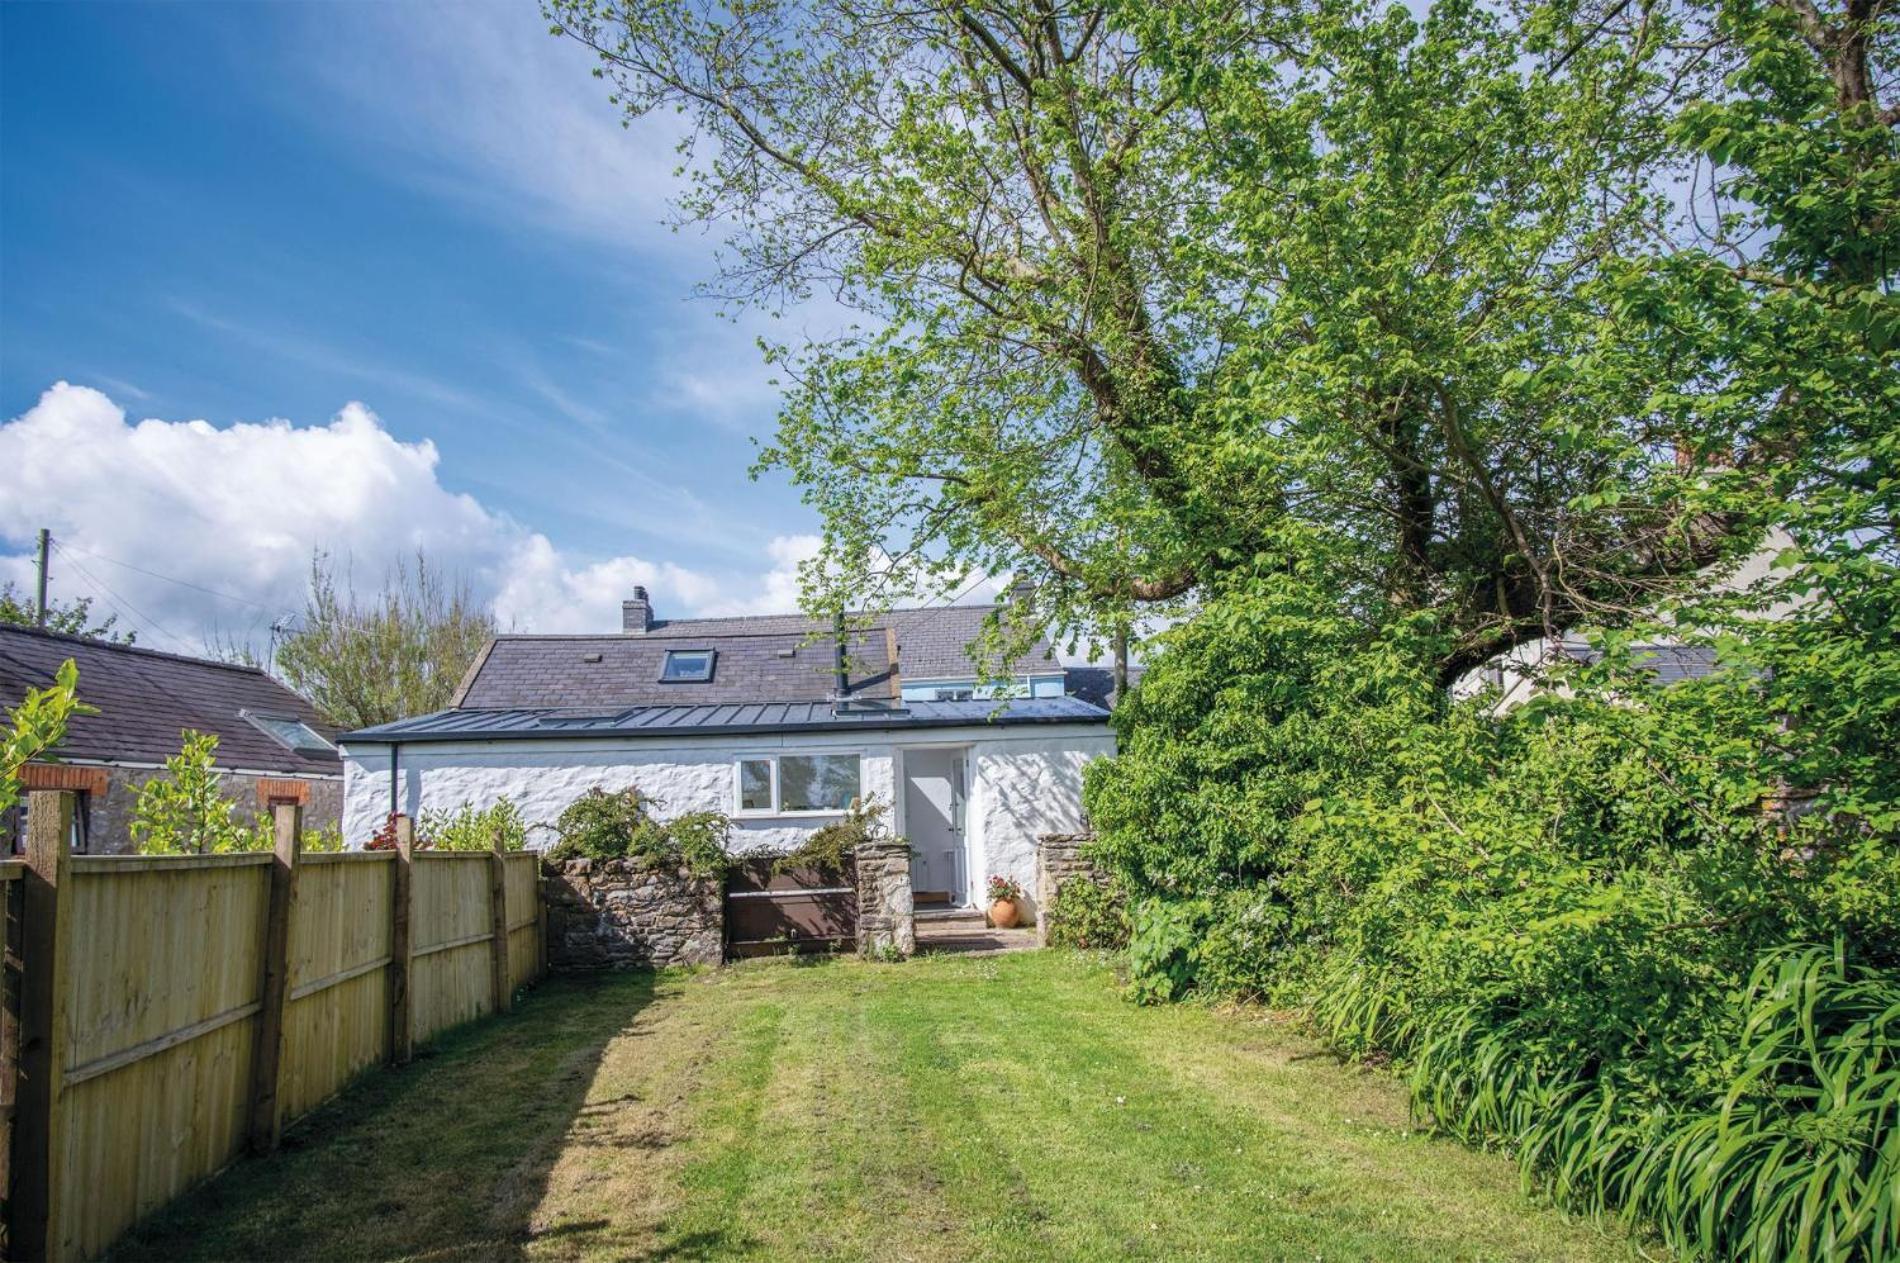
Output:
x=796 y=911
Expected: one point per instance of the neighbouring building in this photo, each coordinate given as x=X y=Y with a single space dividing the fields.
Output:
x=272 y=745
x=776 y=720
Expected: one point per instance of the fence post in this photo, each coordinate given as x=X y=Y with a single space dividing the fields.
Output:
x=33 y=1207
x=267 y=1061
x=401 y=944
x=498 y=926
x=540 y=921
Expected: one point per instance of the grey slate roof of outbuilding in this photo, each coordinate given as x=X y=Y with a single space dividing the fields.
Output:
x=620 y=671
x=539 y=723
x=932 y=643
x=766 y=658
x=146 y=698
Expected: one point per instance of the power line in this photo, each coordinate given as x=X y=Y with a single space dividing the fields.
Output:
x=121 y=604
x=183 y=583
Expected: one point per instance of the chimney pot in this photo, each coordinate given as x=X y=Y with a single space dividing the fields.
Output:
x=636 y=614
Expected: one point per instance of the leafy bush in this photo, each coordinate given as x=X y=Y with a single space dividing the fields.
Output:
x=36 y=726
x=472 y=828
x=1584 y=929
x=832 y=847
x=621 y=825
x=1087 y=914
x=183 y=810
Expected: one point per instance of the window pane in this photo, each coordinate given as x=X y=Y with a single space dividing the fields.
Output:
x=817 y=782
x=687 y=665
x=755 y=785
x=292 y=734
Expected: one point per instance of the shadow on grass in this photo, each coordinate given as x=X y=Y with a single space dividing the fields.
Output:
x=447 y=1157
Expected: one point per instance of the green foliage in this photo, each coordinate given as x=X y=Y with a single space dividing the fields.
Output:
x=74 y=619
x=832 y=846
x=36 y=726
x=400 y=654
x=472 y=828
x=183 y=810
x=1087 y=914
x=325 y=839
x=621 y=825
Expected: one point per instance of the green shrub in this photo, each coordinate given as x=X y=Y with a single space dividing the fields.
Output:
x=183 y=810
x=621 y=825
x=1164 y=948
x=832 y=847
x=472 y=828
x=1088 y=914
x=1582 y=929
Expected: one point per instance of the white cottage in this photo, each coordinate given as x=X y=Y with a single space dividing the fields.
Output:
x=756 y=718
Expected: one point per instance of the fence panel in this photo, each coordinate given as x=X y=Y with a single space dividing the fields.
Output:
x=450 y=982
x=337 y=1022
x=148 y=972
x=163 y=980
x=524 y=918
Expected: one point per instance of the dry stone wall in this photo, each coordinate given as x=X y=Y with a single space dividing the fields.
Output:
x=1060 y=860
x=621 y=914
x=887 y=919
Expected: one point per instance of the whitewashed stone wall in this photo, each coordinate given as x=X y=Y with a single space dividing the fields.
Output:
x=1025 y=782
x=1022 y=791
x=543 y=777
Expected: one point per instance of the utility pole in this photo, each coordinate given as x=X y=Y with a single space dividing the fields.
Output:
x=39 y=610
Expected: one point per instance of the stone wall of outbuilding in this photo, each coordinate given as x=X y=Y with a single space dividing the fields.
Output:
x=621 y=914
x=111 y=795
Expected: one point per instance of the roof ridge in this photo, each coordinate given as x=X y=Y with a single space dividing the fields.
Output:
x=140 y=650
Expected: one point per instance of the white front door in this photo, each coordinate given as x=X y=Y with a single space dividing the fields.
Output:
x=934 y=822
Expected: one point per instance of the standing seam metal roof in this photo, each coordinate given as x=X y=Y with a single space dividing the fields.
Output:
x=549 y=723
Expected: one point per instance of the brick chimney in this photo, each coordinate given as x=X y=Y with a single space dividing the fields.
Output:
x=636 y=615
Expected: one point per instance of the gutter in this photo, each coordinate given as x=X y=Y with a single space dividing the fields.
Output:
x=718 y=730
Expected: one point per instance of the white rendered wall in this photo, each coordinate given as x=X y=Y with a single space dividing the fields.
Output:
x=1024 y=782
x=1022 y=790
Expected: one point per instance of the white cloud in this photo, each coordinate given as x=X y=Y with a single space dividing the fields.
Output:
x=487 y=108
x=230 y=516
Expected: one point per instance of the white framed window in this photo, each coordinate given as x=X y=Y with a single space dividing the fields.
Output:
x=817 y=784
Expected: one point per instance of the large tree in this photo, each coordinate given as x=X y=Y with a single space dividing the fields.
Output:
x=1157 y=293
x=400 y=652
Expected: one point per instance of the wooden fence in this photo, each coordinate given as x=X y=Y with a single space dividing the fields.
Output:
x=165 y=1014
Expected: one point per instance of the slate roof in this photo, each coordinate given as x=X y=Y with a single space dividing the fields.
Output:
x=624 y=670
x=737 y=719
x=145 y=698
x=764 y=658
x=932 y=643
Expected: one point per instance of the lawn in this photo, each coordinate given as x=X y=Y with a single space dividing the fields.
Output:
x=948 y=1108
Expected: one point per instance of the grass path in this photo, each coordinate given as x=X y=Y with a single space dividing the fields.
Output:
x=950 y=1108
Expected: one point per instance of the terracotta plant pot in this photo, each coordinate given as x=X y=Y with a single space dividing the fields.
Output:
x=1003 y=914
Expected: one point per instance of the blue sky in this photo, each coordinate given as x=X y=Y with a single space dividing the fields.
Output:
x=234 y=213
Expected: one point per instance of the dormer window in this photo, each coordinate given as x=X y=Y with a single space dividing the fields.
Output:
x=688 y=666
